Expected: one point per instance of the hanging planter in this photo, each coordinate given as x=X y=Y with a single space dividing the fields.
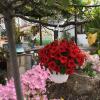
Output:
x=62 y=57
x=59 y=78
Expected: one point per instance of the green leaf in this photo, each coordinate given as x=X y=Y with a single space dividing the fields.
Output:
x=78 y=2
x=89 y=71
x=50 y=2
x=57 y=62
x=65 y=2
x=63 y=70
x=43 y=1
x=98 y=52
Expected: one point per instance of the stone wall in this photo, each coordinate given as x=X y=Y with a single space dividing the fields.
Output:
x=77 y=87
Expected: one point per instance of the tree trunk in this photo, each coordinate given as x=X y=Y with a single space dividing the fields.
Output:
x=13 y=56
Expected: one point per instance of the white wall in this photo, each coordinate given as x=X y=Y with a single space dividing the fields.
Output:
x=81 y=38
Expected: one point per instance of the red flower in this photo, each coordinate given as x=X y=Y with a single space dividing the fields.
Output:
x=60 y=54
x=53 y=50
x=80 y=59
x=63 y=59
x=71 y=63
x=57 y=55
x=55 y=43
x=44 y=59
x=70 y=71
x=52 y=66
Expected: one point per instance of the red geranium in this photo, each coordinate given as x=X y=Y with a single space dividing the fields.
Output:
x=61 y=56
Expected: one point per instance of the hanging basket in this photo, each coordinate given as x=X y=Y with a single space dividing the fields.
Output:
x=58 y=78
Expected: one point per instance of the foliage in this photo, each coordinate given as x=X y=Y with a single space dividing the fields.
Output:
x=34 y=30
x=33 y=85
x=94 y=26
x=70 y=11
x=66 y=35
x=44 y=8
x=92 y=64
x=61 y=56
x=88 y=70
x=41 y=8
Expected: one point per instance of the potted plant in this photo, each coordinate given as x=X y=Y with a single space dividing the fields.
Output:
x=61 y=57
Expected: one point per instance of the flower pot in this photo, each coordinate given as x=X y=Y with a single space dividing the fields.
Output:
x=58 y=78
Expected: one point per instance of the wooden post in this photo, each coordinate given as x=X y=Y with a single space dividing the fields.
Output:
x=82 y=29
x=40 y=33
x=75 y=26
x=12 y=50
x=55 y=34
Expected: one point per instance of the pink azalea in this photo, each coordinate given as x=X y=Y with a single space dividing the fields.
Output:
x=93 y=59
x=32 y=81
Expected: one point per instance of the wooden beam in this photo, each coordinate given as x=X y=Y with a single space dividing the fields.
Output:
x=86 y=6
x=51 y=25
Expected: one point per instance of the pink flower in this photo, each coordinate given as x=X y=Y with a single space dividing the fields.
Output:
x=31 y=81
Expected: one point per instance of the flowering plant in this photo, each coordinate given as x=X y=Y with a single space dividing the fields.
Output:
x=33 y=84
x=61 y=56
x=91 y=65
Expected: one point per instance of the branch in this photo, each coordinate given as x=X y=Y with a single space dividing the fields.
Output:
x=3 y=4
x=85 y=5
x=14 y=1
x=51 y=25
x=18 y=3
